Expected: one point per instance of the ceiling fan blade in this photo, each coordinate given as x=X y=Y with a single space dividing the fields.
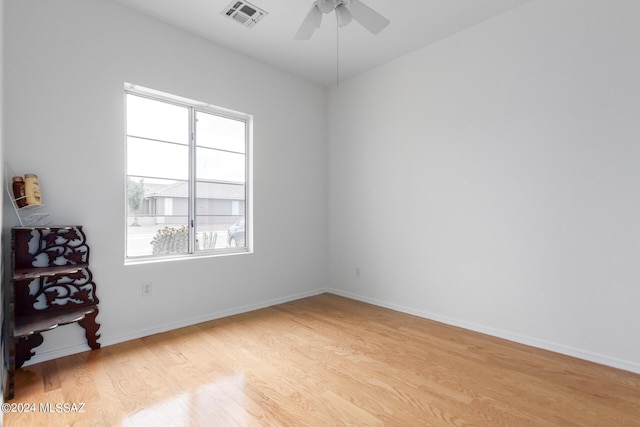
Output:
x=367 y=17
x=311 y=22
x=344 y=16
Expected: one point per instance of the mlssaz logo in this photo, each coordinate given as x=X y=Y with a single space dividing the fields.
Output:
x=64 y=408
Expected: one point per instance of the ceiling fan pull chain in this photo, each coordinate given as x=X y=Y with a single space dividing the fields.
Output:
x=337 y=53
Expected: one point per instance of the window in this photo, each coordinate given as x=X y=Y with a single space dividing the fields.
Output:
x=187 y=177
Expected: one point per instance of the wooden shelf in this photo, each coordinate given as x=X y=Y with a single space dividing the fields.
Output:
x=29 y=325
x=35 y=272
x=43 y=297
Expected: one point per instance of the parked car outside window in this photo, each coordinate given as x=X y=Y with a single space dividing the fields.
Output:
x=235 y=234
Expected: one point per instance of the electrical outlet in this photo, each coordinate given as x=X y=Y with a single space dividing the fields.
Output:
x=146 y=289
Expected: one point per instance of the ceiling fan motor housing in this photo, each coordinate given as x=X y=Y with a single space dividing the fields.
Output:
x=325 y=6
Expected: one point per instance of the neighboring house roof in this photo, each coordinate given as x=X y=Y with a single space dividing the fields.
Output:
x=177 y=189
x=152 y=189
x=204 y=190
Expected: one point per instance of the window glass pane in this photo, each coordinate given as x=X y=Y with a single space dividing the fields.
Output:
x=218 y=207
x=220 y=232
x=157 y=159
x=219 y=165
x=157 y=216
x=148 y=118
x=214 y=198
x=220 y=132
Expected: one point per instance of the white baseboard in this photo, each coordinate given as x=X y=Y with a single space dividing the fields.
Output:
x=107 y=341
x=533 y=342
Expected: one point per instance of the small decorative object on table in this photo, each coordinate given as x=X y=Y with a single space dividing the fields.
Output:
x=19 y=191
x=32 y=189
x=26 y=198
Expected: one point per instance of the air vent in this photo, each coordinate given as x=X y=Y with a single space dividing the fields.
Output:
x=244 y=12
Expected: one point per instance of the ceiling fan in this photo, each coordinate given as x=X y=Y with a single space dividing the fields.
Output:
x=346 y=10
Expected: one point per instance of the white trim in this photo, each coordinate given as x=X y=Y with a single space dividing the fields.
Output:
x=499 y=333
x=194 y=107
x=186 y=102
x=521 y=339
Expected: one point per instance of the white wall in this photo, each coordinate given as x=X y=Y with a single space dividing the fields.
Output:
x=65 y=66
x=488 y=180
x=491 y=180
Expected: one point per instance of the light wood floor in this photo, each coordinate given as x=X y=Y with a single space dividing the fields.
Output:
x=325 y=361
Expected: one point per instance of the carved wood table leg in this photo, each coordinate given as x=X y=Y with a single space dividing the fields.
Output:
x=9 y=390
x=24 y=345
x=91 y=329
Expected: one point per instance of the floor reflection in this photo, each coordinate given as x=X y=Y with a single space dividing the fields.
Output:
x=217 y=403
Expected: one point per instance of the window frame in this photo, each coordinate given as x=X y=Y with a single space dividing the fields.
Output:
x=194 y=107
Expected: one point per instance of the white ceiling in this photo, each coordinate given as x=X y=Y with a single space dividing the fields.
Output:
x=414 y=23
